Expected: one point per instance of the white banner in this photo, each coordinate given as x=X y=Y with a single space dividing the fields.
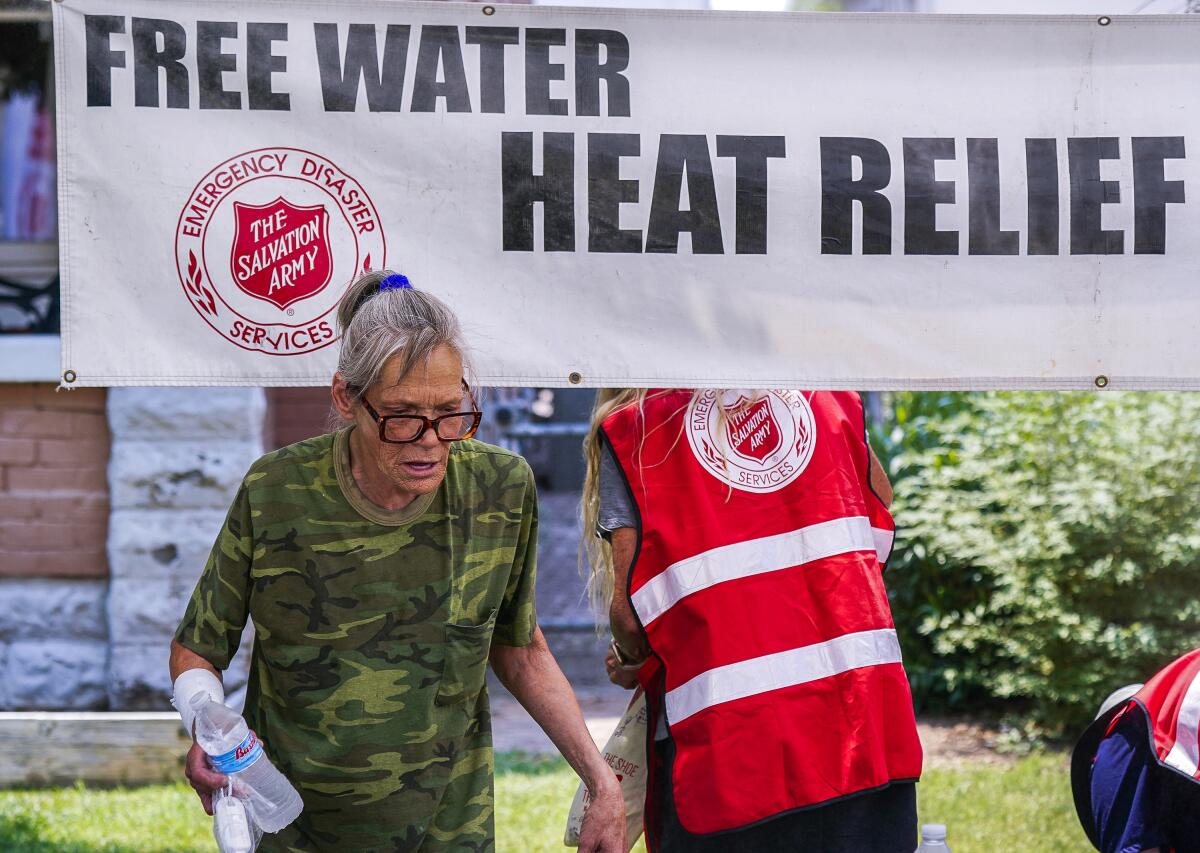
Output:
x=616 y=197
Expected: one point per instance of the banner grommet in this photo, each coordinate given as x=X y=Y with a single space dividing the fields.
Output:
x=489 y=10
x=575 y=377
x=69 y=376
x=1104 y=20
x=1101 y=381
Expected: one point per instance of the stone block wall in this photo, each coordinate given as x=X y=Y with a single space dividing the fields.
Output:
x=178 y=455
x=53 y=564
x=53 y=644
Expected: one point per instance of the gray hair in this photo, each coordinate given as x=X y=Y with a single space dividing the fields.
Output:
x=378 y=324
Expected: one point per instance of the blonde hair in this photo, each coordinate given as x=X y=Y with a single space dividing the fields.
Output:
x=595 y=552
x=377 y=324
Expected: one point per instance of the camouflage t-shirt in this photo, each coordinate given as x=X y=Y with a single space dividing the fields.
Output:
x=367 y=681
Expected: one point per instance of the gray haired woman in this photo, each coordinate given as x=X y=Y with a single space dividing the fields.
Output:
x=384 y=565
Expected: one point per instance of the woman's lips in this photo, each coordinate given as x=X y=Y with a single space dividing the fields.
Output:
x=420 y=468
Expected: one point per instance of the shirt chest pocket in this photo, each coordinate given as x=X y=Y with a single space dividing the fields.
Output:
x=466 y=649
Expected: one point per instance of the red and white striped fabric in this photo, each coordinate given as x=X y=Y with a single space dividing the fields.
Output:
x=759 y=584
x=1171 y=700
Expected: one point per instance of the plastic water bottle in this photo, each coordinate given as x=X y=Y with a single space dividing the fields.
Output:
x=235 y=751
x=933 y=839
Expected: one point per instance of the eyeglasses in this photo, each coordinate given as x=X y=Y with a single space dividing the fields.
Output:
x=405 y=429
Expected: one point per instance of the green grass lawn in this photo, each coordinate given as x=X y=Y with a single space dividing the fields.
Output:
x=987 y=808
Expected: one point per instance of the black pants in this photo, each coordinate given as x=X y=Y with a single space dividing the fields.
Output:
x=883 y=821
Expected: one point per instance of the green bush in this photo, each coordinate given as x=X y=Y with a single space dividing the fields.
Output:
x=1049 y=548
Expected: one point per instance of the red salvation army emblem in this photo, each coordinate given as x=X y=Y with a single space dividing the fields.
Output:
x=753 y=431
x=281 y=250
x=753 y=441
x=267 y=243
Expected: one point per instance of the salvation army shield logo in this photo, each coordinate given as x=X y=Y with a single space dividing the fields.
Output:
x=268 y=241
x=752 y=430
x=754 y=443
x=281 y=250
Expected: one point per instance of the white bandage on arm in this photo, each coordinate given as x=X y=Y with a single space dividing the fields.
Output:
x=187 y=685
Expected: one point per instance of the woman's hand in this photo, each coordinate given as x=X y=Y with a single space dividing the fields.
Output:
x=603 y=829
x=627 y=632
x=202 y=777
x=618 y=673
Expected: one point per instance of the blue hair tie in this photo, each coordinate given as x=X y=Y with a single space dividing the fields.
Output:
x=395 y=282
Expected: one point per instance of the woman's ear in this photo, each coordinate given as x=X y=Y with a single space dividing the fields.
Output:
x=343 y=399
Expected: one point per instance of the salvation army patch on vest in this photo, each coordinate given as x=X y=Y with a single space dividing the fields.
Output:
x=753 y=444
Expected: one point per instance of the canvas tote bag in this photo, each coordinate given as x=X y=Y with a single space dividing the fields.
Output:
x=625 y=753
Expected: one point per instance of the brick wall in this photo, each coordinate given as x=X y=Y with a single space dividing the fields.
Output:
x=54 y=449
x=294 y=414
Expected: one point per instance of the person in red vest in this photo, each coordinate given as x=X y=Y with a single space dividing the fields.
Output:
x=1134 y=771
x=747 y=532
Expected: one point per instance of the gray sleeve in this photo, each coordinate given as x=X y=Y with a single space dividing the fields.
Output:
x=616 y=504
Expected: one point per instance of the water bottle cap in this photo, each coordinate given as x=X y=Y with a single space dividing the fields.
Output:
x=933 y=831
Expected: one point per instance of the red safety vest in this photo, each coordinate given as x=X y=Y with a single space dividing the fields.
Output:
x=1171 y=702
x=758 y=581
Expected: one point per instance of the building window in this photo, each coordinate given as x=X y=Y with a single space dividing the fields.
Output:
x=28 y=196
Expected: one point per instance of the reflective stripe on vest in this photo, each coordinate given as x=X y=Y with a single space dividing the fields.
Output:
x=782 y=669
x=756 y=556
x=1185 y=754
x=1171 y=700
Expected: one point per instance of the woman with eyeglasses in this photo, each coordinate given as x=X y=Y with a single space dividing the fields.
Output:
x=384 y=566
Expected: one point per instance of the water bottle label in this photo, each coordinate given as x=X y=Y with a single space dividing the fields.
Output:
x=246 y=753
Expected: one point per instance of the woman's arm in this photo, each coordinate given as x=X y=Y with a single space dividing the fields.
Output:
x=183 y=658
x=626 y=629
x=879 y=479
x=532 y=675
x=197 y=768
